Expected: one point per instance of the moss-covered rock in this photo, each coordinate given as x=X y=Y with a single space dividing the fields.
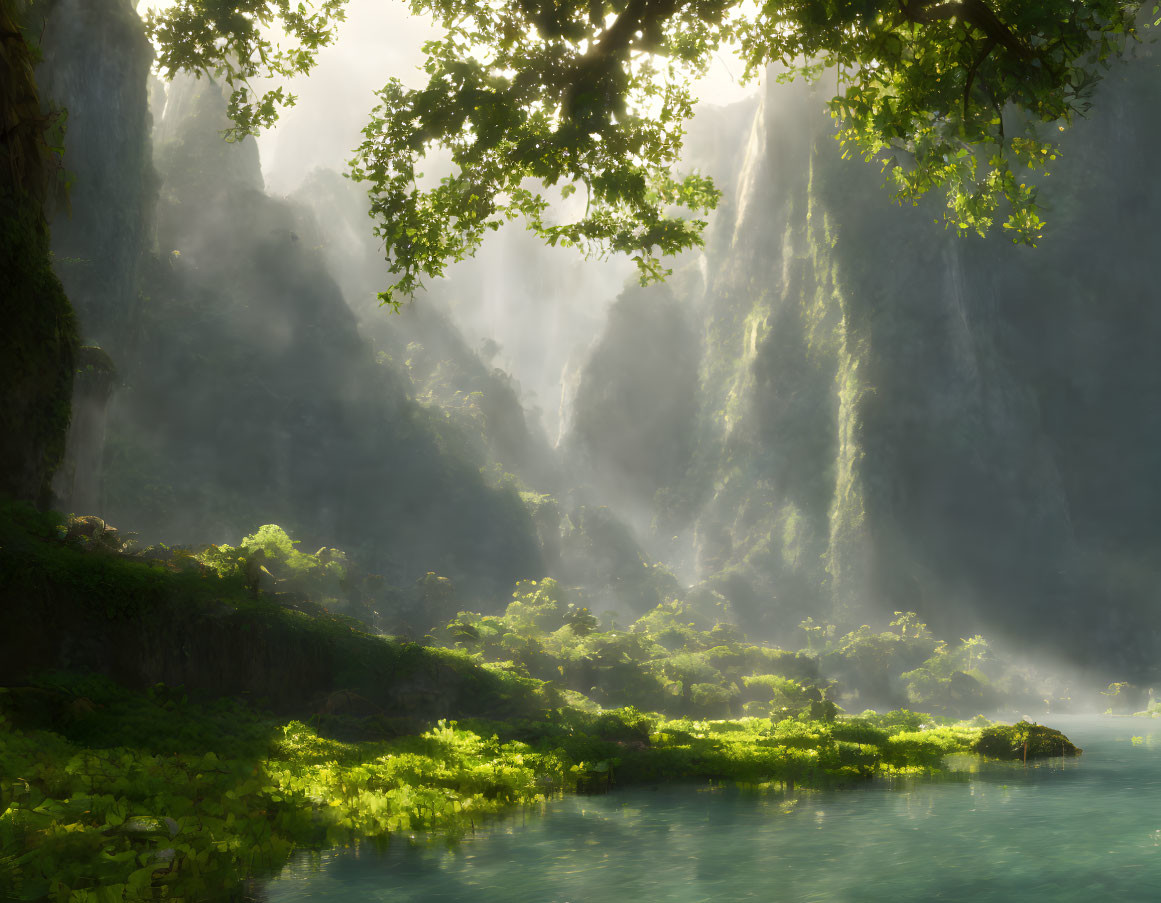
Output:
x=37 y=344
x=38 y=337
x=1024 y=740
x=141 y=623
x=895 y=419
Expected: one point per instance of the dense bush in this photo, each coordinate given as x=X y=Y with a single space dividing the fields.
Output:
x=669 y=660
x=1023 y=740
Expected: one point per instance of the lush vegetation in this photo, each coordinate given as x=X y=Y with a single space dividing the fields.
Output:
x=140 y=789
x=113 y=793
x=1024 y=740
x=147 y=795
x=680 y=658
x=164 y=615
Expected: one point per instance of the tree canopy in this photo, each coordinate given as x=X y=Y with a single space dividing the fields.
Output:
x=537 y=99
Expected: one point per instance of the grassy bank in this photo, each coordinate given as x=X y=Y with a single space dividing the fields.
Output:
x=71 y=601
x=170 y=730
x=111 y=794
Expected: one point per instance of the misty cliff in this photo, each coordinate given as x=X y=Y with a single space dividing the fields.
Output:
x=838 y=410
x=244 y=392
x=894 y=418
x=95 y=68
x=254 y=396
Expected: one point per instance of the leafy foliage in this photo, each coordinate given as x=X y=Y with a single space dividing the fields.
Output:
x=926 y=87
x=907 y=665
x=191 y=818
x=268 y=559
x=167 y=615
x=113 y=794
x=1023 y=740
x=670 y=660
x=230 y=41
x=529 y=99
x=684 y=661
x=82 y=555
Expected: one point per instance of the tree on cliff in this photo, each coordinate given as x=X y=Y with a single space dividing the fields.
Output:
x=593 y=94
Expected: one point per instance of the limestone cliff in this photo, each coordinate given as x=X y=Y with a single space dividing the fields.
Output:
x=254 y=397
x=901 y=419
x=245 y=391
x=95 y=68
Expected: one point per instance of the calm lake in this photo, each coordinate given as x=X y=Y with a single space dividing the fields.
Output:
x=1086 y=829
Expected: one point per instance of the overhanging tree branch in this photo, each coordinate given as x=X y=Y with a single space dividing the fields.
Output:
x=974 y=12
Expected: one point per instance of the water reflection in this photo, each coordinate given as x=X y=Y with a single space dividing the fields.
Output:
x=1061 y=830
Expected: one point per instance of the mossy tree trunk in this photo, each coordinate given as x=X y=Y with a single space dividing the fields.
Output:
x=38 y=337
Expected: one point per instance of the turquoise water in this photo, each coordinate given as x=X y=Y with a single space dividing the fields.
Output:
x=1086 y=829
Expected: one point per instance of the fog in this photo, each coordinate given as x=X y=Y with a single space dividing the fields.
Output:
x=836 y=410
x=535 y=309
x=849 y=508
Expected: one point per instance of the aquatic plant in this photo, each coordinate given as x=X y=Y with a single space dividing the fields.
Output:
x=187 y=799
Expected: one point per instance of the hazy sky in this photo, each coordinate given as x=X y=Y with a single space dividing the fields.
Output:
x=513 y=293
x=379 y=40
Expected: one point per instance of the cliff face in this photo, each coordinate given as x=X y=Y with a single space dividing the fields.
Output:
x=483 y=408
x=93 y=74
x=838 y=411
x=38 y=338
x=635 y=409
x=95 y=67
x=246 y=393
x=902 y=419
x=255 y=398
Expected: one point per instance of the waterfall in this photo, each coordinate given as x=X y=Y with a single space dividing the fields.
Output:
x=753 y=160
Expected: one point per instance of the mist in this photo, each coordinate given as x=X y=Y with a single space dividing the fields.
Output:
x=308 y=594
x=833 y=411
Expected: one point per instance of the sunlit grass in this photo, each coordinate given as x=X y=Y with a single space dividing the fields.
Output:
x=201 y=796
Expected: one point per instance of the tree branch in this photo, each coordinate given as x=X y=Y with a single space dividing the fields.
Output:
x=618 y=37
x=594 y=86
x=967 y=88
x=975 y=12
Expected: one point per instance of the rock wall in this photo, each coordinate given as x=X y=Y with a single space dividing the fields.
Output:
x=93 y=74
x=38 y=338
x=255 y=398
x=245 y=391
x=633 y=417
x=95 y=68
x=906 y=420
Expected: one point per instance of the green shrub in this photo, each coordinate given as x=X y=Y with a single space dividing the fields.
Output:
x=1023 y=740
